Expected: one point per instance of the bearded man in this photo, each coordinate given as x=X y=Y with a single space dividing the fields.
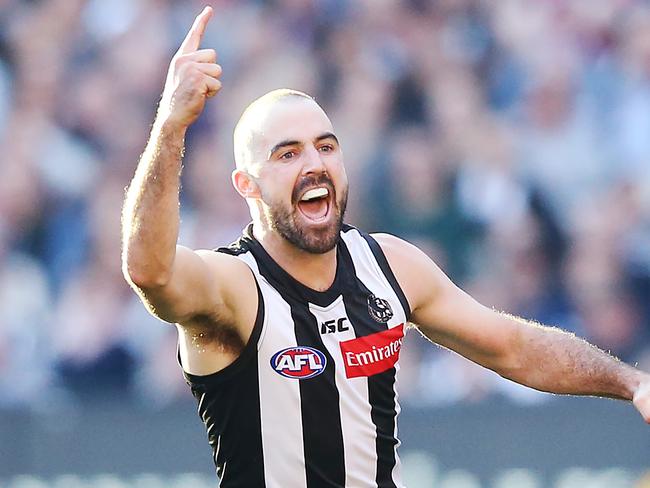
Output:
x=290 y=338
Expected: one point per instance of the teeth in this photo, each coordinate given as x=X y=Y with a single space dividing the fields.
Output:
x=314 y=193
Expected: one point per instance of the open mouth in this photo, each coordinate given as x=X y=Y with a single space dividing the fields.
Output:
x=315 y=204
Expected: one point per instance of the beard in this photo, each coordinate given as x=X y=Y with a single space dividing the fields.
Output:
x=285 y=221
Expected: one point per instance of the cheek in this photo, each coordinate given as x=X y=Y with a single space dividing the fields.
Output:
x=338 y=175
x=277 y=188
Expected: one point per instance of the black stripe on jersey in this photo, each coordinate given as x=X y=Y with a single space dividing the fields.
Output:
x=381 y=392
x=229 y=405
x=320 y=410
x=388 y=272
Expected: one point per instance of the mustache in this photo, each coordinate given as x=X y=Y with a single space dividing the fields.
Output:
x=310 y=182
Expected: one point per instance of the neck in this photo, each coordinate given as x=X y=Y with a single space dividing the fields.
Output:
x=316 y=271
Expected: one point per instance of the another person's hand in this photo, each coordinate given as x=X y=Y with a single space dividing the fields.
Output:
x=641 y=398
x=193 y=77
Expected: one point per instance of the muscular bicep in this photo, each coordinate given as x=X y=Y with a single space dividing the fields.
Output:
x=446 y=314
x=197 y=286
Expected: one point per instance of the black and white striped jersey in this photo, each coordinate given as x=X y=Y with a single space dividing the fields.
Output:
x=311 y=401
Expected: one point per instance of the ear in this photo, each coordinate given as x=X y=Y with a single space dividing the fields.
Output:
x=245 y=184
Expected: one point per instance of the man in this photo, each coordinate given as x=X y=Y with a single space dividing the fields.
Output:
x=290 y=337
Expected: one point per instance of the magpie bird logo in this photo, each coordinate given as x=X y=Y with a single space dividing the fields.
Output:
x=379 y=309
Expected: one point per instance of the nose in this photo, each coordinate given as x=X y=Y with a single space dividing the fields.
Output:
x=313 y=161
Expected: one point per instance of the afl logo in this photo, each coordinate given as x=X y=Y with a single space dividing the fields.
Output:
x=299 y=362
x=379 y=309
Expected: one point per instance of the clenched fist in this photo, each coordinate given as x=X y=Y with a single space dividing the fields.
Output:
x=192 y=78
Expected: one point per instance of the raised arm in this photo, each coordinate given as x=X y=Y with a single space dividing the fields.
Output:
x=541 y=357
x=175 y=283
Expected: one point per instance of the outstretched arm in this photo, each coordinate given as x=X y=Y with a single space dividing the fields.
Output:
x=541 y=357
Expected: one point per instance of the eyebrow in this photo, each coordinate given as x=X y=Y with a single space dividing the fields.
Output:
x=292 y=142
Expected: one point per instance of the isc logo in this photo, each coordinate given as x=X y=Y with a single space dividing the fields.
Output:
x=330 y=326
x=299 y=362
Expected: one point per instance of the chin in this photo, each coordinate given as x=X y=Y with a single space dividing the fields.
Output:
x=317 y=238
x=309 y=235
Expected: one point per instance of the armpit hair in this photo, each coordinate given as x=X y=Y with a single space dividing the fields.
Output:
x=210 y=333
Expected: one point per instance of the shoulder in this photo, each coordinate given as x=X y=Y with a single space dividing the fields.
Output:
x=417 y=274
x=220 y=260
x=228 y=266
x=234 y=279
x=389 y=240
x=398 y=251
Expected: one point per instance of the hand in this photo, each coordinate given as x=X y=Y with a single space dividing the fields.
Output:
x=193 y=77
x=641 y=399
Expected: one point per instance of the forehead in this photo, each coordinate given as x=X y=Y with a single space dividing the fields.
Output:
x=292 y=118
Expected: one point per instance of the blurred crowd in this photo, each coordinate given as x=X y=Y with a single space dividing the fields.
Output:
x=510 y=139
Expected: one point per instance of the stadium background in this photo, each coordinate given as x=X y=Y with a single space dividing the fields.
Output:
x=510 y=139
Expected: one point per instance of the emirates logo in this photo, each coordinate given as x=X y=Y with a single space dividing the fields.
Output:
x=372 y=354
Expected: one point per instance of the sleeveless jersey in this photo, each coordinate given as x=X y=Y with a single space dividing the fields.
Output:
x=311 y=400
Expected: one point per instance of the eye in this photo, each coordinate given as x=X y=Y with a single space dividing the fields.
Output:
x=287 y=155
x=326 y=148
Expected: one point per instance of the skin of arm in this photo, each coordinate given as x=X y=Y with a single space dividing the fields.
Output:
x=160 y=271
x=541 y=357
x=195 y=289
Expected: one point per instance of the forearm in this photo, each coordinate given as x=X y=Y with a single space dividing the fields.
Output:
x=150 y=216
x=556 y=361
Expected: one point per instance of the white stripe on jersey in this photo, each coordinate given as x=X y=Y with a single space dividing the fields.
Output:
x=279 y=398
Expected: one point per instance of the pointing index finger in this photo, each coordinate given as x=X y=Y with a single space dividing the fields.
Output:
x=193 y=38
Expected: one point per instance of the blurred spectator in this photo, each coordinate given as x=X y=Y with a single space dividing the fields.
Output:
x=508 y=138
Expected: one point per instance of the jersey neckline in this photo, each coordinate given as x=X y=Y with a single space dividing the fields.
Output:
x=292 y=285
